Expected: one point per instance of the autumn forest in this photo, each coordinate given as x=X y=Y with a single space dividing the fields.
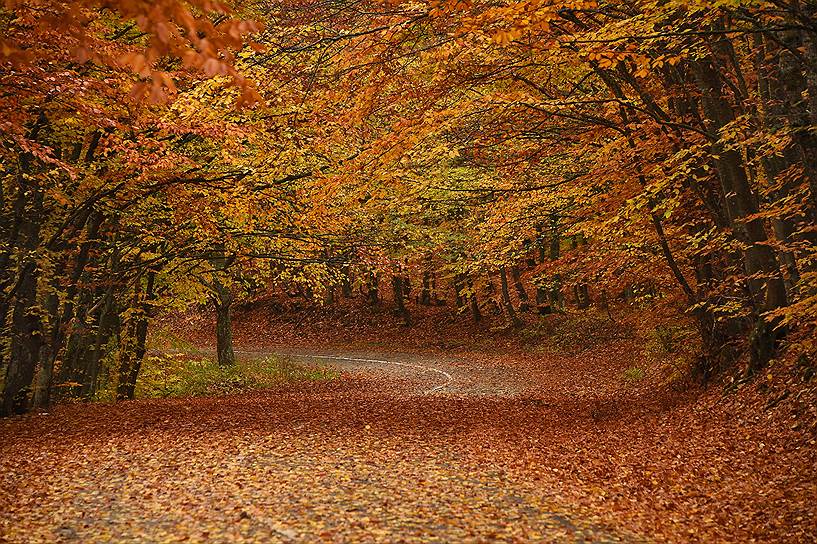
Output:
x=408 y=271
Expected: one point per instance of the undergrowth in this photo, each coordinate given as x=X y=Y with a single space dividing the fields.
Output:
x=183 y=375
x=163 y=339
x=572 y=332
x=672 y=350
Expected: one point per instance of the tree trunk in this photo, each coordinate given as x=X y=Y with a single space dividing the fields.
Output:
x=107 y=324
x=435 y=293
x=140 y=350
x=127 y=358
x=397 y=282
x=490 y=297
x=506 y=299
x=346 y=282
x=530 y=251
x=541 y=244
x=766 y=285
x=555 y=293
x=224 y=326
x=476 y=315
x=670 y=258
x=604 y=304
x=459 y=285
x=524 y=301
x=425 y=293
x=25 y=329
x=133 y=355
x=60 y=316
x=372 y=294
x=25 y=344
x=50 y=347
x=329 y=293
x=582 y=293
x=795 y=85
x=543 y=305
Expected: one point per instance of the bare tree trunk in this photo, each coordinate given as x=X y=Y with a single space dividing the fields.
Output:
x=555 y=293
x=108 y=323
x=139 y=356
x=48 y=352
x=435 y=293
x=582 y=294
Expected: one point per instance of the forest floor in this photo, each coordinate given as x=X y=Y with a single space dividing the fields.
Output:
x=416 y=443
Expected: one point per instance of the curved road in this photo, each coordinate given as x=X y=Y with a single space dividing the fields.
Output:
x=428 y=374
x=440 y=458
x=448 y=378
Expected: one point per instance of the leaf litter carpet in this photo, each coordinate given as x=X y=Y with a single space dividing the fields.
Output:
x=370 y=457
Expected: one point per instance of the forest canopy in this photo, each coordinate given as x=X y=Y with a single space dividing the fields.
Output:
x=162 y=154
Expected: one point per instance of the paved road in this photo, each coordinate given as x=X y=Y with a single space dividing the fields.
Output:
x=404 y=449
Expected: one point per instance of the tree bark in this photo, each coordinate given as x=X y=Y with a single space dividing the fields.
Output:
x=555 y=293
x=48 y=352
x=541 y=242
x=490 y=297
x=543 y=305
x=530 y=250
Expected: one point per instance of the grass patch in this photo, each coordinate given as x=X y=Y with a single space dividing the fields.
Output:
x=634 y=374
x=183 y=375
x=273 y=370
